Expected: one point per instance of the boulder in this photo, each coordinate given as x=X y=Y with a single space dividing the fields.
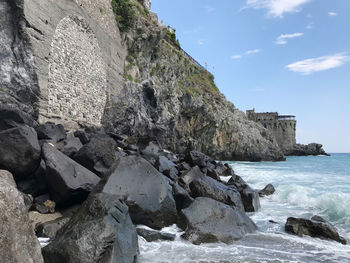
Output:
x=209 y=221
x=17 y=238
x=268 y=190
x=83 y=136
x=146 y=191
x=12 y=117
x=208 y=187
x=100 y=231
x=187 y=177
x=213 y=174
x=197 y=158
x=316 y=227
x=167 y=167
x=19 y=151
x=249 y=196
x=67 y=180
x=98 y=155
x=51 y=131
x=49 y=229
x=153 y=235
x=181 y=196
x=71 y=145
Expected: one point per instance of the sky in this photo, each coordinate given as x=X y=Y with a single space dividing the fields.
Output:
x=289 y=56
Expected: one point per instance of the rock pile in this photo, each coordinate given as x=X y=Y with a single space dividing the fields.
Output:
x=86 y=189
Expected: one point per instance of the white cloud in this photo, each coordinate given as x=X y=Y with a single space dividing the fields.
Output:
x=276 y=8
x=332 y=13
x=282 y=39
x=310 y=26
x=200 y=42
x=247 y=53
x=308 y=66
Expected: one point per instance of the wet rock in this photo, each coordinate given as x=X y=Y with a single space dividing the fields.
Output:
x=209 y=221
x=249 y=196
x=208 y=187
x=213 y=174
x=100 y=231
x=98 y=155
x=18 y=241
x=50 y=228
x=19 y=151
x=268 y=190
x=67 y=180
x=304 y=150
x=316 y=227
x=51 y=131
x=181 y=196
x=12 y=117
x=146 y=191
x=197 y=158
x=153 y=235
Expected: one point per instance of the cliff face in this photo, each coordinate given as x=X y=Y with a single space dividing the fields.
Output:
x=66 y=61
x=168 y=97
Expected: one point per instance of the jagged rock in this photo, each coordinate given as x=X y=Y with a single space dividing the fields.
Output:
x=100 y=231
x=167 y=167
x=51 y=131
x=19 y=151
x=213 y=174
x=208 y=187
x=316 y=227
x=50 y=228
x=187 y=177
x=67 y=180
x=70 y=146
x=18 y=241
x=209 y=221
x=83 y=136
x=98 y=155
x=153 y=235
x=184 y=166
x=12 y=117
x=304 y=150
x=197 y=158
x=28 y=201
x=249 y=196
x=181 y=196
x=146 y=191
x=268 y=190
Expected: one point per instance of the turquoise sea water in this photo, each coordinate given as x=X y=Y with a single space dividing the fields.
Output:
x=305 y=186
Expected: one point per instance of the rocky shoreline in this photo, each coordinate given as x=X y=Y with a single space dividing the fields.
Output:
x=86 y=190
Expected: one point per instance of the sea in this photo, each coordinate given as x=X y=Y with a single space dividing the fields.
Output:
x=305 y=186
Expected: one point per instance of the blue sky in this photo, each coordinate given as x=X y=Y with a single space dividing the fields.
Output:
x=290 y=56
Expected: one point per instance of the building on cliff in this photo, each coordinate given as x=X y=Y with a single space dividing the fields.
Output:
x=282 y=127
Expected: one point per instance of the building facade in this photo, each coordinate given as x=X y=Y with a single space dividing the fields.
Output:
x=283 y=127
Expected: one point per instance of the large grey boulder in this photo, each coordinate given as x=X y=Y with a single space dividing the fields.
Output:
x=209 y=221
x=98 y=155
x=146 y=191
x=18 y=241
x=208 y=187
x=51 y=131
x=316 y=227
x=249 y=196
x=67 y=180
x=19 y=151
x=11 y=117
x=100 y=231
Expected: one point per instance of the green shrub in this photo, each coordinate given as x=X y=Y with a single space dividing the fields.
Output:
x=124 y=14
x=171 y=36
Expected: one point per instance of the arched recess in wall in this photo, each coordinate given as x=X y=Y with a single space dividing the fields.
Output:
x=77 y=73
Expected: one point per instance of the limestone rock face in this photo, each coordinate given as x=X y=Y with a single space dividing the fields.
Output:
x=18 y=241
x=169 y=98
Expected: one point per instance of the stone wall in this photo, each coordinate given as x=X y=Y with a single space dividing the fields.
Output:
x=282 y=129
x=72 y=58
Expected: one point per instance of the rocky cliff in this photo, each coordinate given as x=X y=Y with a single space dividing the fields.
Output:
x=66 y=61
